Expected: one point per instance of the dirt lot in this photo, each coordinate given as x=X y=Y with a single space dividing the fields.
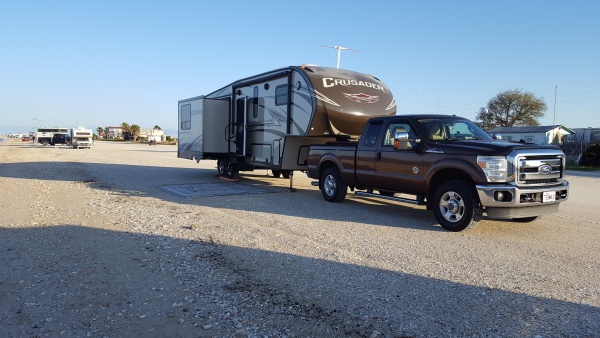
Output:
x=101 y=242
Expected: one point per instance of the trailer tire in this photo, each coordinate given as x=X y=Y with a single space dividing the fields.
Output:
x=285 y=173
x=221 y=166
x=456 y=206
x=45 y=142
x=276 y=173
x=332 y=188
x=232 y=171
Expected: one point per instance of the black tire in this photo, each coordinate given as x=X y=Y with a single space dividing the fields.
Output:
x=232 y=171
x=332 y=188
x=456 y=206
x=386 y=193
x=276 y=173
x=285 y=173
x=45 y=143
x=221 y=166
x=526 y=219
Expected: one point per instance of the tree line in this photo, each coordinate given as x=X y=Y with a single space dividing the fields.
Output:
x=130 y=131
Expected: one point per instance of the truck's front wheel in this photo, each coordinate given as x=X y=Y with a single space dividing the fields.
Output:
x=456 y=206
x=332 y=188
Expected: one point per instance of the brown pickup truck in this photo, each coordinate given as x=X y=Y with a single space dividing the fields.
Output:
x=448 y=164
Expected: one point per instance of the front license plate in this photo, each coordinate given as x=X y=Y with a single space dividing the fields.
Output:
x=549 y=196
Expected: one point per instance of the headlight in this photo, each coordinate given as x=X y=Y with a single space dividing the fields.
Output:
x=494 y=167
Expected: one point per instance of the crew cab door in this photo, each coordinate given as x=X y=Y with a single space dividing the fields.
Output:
x=367 y=155
x=399 y=169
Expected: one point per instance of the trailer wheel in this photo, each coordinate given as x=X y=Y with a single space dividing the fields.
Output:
x=232 y=171
x=221 y=165
x=276 y=173
x=285 y=173
x=332 y=188
x=45 y=142
x=456 y=206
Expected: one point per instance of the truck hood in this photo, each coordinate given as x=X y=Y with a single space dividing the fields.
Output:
x=491 y=148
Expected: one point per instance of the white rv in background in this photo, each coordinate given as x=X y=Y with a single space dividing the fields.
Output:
x=81 y=138
x=269 y=120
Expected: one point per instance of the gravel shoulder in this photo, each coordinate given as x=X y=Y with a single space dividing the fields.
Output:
x=91 y=244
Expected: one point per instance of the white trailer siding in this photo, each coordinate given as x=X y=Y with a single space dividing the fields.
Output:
x=202 y=126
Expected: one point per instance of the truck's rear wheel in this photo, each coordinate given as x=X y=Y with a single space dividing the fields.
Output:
x=332 y=188
x=276 y=173
x=456 y=206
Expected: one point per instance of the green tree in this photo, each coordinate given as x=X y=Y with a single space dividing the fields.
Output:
x=126 y=130
x=134 y=129
x=157 y=127
x=99 y=130
x=106 y=130
x=126 y=127
x=511 y=108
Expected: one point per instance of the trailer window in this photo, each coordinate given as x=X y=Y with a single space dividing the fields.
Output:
x=255 y=103
x=186 y=117
x=281 y=95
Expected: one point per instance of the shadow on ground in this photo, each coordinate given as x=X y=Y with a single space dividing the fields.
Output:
x=76 y=281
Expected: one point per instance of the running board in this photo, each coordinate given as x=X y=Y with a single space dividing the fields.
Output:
x=392 y=198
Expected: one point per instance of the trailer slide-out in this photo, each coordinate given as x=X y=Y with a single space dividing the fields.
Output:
x=269 y=120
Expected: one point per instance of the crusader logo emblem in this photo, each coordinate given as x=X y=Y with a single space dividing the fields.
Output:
x=362 y=97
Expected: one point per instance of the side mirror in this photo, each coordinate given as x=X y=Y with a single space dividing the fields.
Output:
x=401 y=141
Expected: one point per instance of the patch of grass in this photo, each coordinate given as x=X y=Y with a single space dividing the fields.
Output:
x=582 y=168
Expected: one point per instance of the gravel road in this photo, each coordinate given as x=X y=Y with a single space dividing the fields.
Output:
x=98 y=242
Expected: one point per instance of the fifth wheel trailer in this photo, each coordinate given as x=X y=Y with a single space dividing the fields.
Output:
x=269 y=120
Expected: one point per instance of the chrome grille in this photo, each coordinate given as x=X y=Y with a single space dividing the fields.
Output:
x=540 y=169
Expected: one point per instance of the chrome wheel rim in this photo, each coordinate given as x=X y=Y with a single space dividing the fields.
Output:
x=329 y=185
x=452 y=206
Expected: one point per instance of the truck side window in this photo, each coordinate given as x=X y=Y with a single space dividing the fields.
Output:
x=391 y=133
x=370 y=139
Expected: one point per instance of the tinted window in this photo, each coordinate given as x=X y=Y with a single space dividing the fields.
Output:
x=255 y=103
x=281 y=95
x=391 y=131
x=370 y=139
x=186 y=117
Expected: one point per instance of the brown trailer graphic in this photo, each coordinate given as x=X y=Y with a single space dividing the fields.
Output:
x=269 y=120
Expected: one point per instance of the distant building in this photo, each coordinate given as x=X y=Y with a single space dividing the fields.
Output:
x=152 y=134
x=584 y=135
x=556 y=134
x=115 y=132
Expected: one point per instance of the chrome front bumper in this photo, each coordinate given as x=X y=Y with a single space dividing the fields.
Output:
x=507 y=201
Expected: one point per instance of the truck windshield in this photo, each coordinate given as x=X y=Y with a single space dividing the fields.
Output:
x=448 y=129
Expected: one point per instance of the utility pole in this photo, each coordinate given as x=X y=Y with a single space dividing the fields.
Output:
x=339 y=51
x=554 y=119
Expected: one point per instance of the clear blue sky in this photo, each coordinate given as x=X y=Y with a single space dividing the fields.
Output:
x=101 y=63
